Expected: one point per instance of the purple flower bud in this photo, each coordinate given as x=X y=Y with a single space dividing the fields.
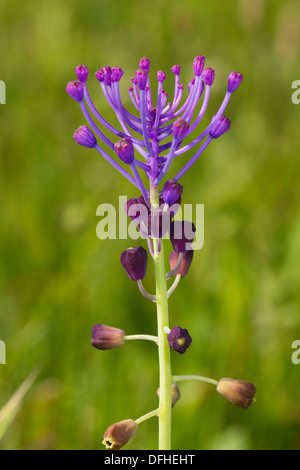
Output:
x=161 y=76
x=141 y=211
x=179 y=339
x=124 y=149
x=107 y=75
x=99 y=75
x=234 y=81
x=208 y=76
x=221 y=126
x=185 y=263
x=107 y=337
x=84 y=136
x=238 y=392
x=134 y=80
x=118 y=434
x=134 y=261
x=144 y=64
x=141 y=77
x=175 y=393
x=172 y=191
x=198 y=64
x=116 y=74
x=158 y=223
x=82 y=73
x=76 y=90
x=180 y=128
x=182 y=234
x=176 y=69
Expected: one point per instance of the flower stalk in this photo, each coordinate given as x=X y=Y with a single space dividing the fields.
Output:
x=165 y=377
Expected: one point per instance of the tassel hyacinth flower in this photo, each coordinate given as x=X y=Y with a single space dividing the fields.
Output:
x=148 y=147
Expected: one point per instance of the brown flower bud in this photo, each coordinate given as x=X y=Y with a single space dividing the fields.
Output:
x=118 y=434
x=185 y=264
x=238 y=392
x=175 y=393
x=107 y=337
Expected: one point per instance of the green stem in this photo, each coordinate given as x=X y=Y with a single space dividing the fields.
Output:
x=165 y=378
x=177 y=378
x=146 y=337
x=147 y=416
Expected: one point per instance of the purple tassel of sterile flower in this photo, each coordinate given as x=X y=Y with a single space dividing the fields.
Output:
x=155 y=120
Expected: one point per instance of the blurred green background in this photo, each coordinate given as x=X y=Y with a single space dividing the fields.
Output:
x=240 y=301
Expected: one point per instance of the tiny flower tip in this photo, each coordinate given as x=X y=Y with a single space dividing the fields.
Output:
x=118 y=434
x=179 y=339
x=222 y=125
x=198 y=64
x=234 y=81
x=180 y=128
x=182 y=234
x=82 y=73
x=134 y=261
x=84 y=136
x=161 y=76
x=116 y=74
x=144 y=64
x=99 y=75
x=176 y=69
x=76 y=90
x=107 y=75
x=238 y=392
x=141 y=76
x=134 y=80
x=208 y=76
x=106 y=337
x=124 y=149
x=172 y=191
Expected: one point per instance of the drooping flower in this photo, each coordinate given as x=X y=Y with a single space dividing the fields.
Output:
x=238 y=392
x=118 y=434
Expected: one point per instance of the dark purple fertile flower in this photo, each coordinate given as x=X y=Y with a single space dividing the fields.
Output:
x=84 y=136
x=172 y=191
x=158 y=223
x=179 y=339
x=107 y=337
x=124 y=149
x=182 y=234
x=134 y=261
x=234 y=81
x=82 y=73
x=76 y=90
x=222 y=125
x=136 y=208
x=185 y=263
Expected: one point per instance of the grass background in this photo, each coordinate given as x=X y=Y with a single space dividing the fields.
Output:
x=240 y=301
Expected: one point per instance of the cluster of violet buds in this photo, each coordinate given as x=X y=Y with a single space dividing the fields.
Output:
x=157 y=130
